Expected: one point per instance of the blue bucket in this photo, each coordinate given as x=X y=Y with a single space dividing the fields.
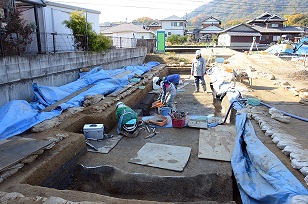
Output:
x=165 y=111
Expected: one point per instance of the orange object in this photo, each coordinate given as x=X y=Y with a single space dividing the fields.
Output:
x=159 y=120
x=157 y=104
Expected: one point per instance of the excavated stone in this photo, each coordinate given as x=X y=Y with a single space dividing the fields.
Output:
x=281 y=118
x=29 y=159
x=10 y=197
x=299 y=199
x=90 y=100
x=291 y=148
x=269 y=132
x=47 y=124
x=304 y=170
x=285 y=142
x=298 y=164
x=301 y=156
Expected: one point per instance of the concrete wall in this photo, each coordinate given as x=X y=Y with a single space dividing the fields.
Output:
x=18 y=73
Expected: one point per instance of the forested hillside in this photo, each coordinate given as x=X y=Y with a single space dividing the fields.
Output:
x=228 y=10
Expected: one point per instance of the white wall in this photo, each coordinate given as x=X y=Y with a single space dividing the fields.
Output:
x=177 y=30
x=51 y=20
x=224 y=40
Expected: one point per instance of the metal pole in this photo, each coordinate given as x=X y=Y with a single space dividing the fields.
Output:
x=38 y=35
x=54 y=42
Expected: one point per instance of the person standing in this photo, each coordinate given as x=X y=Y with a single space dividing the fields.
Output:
x=198 y=70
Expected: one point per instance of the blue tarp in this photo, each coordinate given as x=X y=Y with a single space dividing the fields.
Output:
x=18 y=116
x=261 y=177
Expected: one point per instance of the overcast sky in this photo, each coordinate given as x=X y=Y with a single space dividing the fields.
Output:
x=128 y=10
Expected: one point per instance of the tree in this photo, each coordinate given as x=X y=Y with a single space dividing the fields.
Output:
x=16 y=34
x=145 y=21
x=85 y=37
x=297 y=20
x=176 y=39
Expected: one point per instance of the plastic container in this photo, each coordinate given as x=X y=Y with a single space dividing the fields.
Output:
x=155 y=86
x=178 y=123
x=93 y=131
x=165 y=111
x=159 y=120
x=253 y=101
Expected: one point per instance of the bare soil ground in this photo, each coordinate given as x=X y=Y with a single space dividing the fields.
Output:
x=276 y=82
x=276 y=92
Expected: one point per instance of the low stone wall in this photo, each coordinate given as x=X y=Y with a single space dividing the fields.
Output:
x=18 y=73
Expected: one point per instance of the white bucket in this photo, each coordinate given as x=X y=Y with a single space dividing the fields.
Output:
x=155 y=86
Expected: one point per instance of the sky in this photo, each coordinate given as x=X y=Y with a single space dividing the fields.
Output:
x=129 y=10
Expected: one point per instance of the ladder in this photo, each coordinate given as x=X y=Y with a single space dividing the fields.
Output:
x=252 y=44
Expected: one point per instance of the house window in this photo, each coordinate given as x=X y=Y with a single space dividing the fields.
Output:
x=142 y=37
x=276 y=38
x=169 y=33
x=274 y=25
x=176 y=24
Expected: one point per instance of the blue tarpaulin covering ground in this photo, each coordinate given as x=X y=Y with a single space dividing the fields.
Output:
x=18 y=116
x=260 y=175
x=286 y=48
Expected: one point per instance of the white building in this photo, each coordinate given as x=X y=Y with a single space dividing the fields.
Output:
x=210 y=26
x=126 y=35
x=48 y=17
x=174 y=25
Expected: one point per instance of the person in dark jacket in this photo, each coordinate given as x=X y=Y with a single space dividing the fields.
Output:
x=127 y=120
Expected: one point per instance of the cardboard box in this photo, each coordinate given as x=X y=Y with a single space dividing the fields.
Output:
x=93 y=131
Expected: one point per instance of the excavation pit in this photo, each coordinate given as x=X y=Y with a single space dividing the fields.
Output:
x=112 y=175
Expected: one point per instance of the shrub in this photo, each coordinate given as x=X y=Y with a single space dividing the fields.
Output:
x=81 y=27
x=17 y=34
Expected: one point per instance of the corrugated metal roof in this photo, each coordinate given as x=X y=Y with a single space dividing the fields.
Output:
x=36 y=2
x=287 y=29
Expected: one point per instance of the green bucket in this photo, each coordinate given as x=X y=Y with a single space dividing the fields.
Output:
x=253 y=101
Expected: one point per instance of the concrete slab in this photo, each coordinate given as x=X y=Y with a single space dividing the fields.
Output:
x=15 y=150
x=162 y=156
x=217 y=143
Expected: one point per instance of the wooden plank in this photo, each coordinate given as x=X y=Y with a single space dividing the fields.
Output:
x=67 y=98
x=13 y=151
x=217 y=143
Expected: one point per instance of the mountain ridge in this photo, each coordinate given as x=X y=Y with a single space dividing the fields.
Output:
x=227 y=10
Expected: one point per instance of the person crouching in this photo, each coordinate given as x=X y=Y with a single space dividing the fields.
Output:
x=127 y=120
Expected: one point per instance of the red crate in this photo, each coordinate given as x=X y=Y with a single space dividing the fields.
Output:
x=178 y=123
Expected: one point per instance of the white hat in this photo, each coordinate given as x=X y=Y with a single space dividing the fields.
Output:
x=119 y=104
x=198 y=52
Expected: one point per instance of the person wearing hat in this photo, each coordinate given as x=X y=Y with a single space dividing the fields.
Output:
x=173 y=78
x=168 y=91
x=127 y=120
x=198 y=70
